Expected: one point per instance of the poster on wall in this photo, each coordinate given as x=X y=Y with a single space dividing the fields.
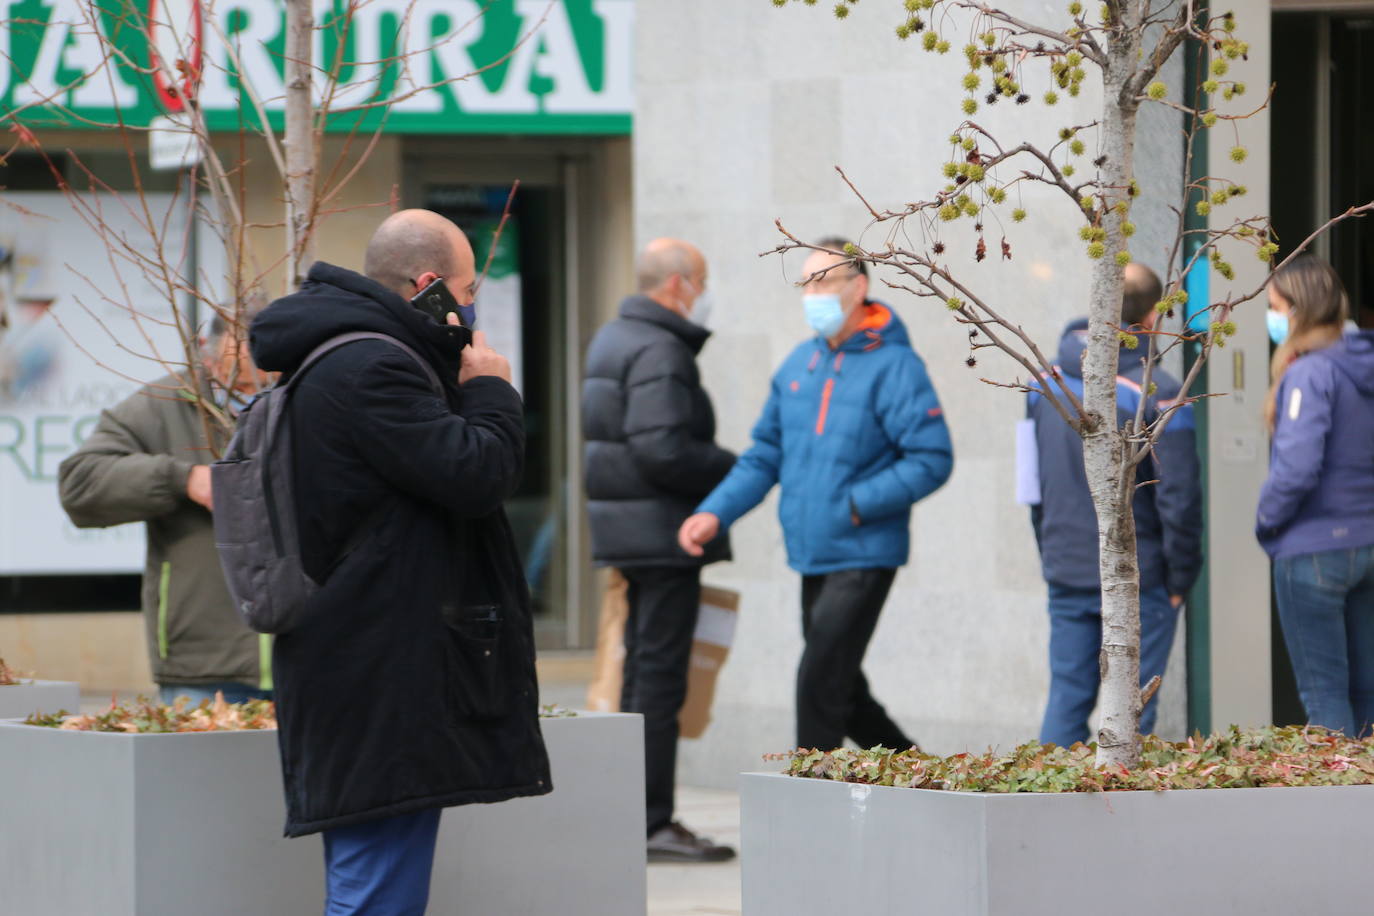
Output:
x=71 y=346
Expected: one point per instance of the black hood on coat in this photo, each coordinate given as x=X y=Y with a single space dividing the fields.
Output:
x=334 y=301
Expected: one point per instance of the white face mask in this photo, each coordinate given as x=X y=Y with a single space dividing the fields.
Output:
x=699 y=312
x=701 y=308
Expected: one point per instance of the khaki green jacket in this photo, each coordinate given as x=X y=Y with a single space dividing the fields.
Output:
x=133 y=468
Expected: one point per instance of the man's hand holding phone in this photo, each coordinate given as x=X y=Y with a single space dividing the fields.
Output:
x=480 y=359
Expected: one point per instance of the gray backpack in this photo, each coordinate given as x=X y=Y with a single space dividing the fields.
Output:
x=256 y=531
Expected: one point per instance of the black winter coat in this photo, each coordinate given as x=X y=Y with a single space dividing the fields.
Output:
x=410 y=684
x=651 y=455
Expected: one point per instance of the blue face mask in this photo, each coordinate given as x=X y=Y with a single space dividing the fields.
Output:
x=1278 y=326
x=467 y=314
x=824 y=313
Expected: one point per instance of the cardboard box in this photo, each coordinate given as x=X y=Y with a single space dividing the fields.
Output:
x=715 y=632
x=603 y=693
x=711 y=643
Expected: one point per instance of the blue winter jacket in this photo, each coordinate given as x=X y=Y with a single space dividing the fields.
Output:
x=1320 y=491
x=1168 y=513
x=852 y=432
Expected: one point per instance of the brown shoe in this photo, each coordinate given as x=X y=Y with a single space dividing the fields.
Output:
x=675 y=843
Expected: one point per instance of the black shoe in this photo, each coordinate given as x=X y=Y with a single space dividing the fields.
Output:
x=675 y=843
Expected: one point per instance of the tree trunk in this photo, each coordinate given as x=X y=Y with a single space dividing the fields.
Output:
x=1104 y=448
x=300 y=142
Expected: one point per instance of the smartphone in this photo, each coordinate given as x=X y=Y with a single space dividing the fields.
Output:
x=436 y=301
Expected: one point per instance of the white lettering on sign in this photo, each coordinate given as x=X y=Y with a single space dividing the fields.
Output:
x=428 y=41
x=72 y=45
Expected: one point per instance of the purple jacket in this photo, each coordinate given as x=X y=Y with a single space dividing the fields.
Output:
x=1320 y=491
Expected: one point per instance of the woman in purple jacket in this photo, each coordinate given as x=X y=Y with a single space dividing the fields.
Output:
x=1316 y=512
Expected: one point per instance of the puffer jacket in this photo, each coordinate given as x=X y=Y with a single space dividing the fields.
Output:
x=854 y=432
x=650 y=432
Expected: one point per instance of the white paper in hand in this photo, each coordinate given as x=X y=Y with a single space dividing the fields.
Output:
x=1027 y=464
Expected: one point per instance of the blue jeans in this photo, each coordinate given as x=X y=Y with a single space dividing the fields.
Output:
x=1326 y=607
x=233 y=691
x=1075 y=645
x=381 y=868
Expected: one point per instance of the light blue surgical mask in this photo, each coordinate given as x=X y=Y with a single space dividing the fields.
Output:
x=824 y=313
x=1278 y=326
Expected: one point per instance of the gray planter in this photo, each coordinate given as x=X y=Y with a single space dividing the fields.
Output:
x=578 y=851
x=96 y=824
x=812 y=846
x=99 y=824
x=18 y=701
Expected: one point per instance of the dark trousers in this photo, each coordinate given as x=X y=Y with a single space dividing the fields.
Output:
x=839 y=612
x=664 y=602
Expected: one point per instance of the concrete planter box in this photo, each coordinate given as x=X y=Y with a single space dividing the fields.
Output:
x=169 y=825
x=578 y=851
x=18 y=701
x=148 y=825
x=811 y=846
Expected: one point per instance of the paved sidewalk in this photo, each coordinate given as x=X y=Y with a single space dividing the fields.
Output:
x=700 y=890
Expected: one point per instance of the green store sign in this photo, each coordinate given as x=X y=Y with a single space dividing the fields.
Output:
x=407 y=66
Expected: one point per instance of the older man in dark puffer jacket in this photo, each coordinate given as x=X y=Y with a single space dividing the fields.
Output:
x=651 y=457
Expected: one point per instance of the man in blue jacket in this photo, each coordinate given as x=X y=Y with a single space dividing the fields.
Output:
x=1168 y=523
x=854 y=433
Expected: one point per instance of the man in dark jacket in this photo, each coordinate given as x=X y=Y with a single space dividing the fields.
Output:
x=854 y=433
x=148 y=461
x=1168 y=521
x=650 y=456
x=409 y=685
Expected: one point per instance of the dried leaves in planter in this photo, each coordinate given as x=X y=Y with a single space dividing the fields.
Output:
x=1235 y=759
x=146 y=717
x=8 y=676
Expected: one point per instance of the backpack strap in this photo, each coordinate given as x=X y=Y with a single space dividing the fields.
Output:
x=334 y=343
x=313 y=357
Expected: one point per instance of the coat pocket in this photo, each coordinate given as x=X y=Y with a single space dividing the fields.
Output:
x=477 y=682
